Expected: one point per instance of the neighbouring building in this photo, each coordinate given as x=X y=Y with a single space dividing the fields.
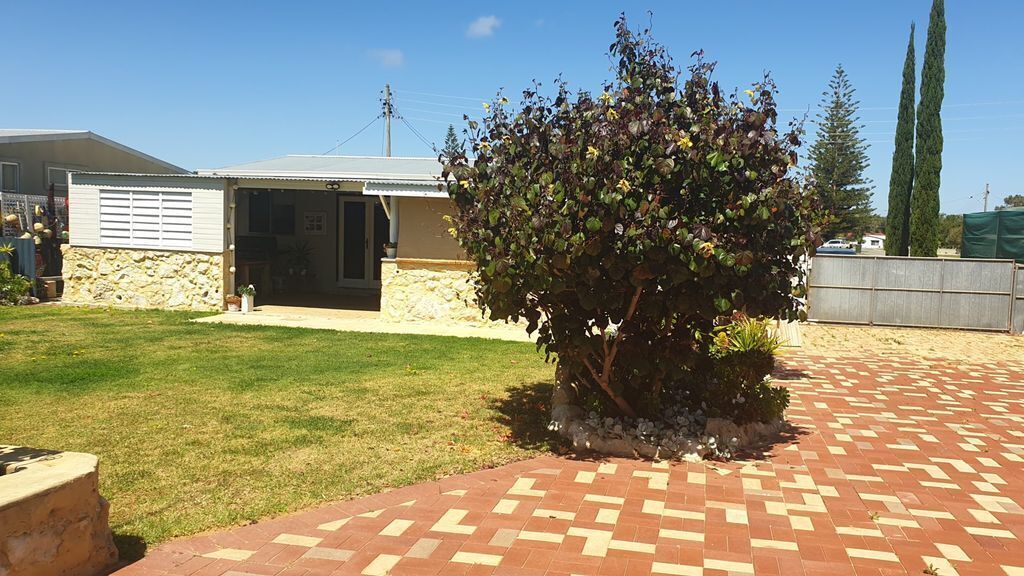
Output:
x=873 y=242
x=33 y=160
x=304 y=230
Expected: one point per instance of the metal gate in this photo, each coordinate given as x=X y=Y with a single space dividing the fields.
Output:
x=973 y=294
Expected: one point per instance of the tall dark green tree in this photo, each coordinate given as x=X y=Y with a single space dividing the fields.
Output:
x=924 y=203
x=901 y=181
x=838 y=160
x=452 y=146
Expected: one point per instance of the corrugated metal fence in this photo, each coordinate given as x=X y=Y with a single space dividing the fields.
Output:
x=963 y=293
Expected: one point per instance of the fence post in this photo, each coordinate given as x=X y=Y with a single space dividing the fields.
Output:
x=1014 y=270
x=872 y=300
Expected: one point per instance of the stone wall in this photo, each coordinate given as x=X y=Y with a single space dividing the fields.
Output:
x=427 y=291
x=143 y=278
x=52 y=517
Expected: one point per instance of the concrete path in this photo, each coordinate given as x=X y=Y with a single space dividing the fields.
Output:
x=361 y=321
x=893 y=466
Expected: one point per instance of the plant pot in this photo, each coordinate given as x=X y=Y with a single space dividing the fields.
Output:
x=391 y=252
x=248 y=303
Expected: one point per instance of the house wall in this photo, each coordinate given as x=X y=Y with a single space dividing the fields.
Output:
x=423 y=231
x=132 y=278
x=420 y=290
x=141 y=277
x=79 y=154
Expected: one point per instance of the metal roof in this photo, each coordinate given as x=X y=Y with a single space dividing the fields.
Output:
x=15 y=135
x=354 y=168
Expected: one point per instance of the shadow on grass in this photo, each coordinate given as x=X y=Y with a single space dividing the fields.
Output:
x=130 y=548
x=526 y=410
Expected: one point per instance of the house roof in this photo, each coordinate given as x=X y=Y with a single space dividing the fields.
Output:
x=421 y=171
x=15 y=135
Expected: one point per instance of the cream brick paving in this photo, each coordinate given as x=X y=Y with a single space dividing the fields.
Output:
x=892 y=464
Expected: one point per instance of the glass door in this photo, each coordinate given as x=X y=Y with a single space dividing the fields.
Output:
x=362 y=232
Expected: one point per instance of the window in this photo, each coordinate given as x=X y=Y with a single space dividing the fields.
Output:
x=10 y=177
x=58 y=177
x=146 y=219
x=259 y=212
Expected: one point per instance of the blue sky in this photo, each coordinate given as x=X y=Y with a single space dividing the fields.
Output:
x=207 y=84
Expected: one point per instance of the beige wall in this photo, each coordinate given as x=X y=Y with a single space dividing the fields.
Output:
x=79 y=154
x=423 y=233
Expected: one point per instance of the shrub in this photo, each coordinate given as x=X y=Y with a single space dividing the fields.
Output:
x=621 y=226
x=733 y=380
x=13 y=287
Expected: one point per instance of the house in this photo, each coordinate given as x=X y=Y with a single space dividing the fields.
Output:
x=31 y=161
x=305 y=230
x=873 y=242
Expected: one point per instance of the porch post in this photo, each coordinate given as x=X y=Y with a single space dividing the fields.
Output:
x=393 y=232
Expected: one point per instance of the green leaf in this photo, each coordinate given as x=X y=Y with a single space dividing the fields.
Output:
x=593 y=224
x=722 y=304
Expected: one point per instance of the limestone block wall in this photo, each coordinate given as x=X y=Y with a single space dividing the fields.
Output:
x=52 y=517
x=134 y=278
x=420 y=290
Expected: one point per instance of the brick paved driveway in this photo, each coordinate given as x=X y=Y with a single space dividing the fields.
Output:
x=894 y=465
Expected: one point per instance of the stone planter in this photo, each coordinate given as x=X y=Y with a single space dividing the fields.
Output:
x=52 y=518
x=570 y=420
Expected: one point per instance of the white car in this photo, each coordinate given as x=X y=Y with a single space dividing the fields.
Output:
x=837 y=243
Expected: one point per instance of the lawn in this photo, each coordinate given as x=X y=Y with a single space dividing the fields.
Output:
x=200 y=426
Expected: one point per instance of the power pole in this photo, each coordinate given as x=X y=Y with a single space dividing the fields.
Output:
x=986 y=197
x=392 y=213
x=387 y=120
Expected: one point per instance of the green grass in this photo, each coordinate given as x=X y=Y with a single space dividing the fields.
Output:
x=201 y=426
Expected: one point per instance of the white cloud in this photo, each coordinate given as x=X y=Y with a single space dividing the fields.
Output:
x=388 y=57
x=483 y=26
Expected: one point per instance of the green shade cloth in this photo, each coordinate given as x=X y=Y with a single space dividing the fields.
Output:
x=998 y=234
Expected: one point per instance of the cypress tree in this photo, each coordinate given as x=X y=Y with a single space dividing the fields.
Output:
x=838 y=159
x=901 y=181
x=452 y=146
x=924 y=203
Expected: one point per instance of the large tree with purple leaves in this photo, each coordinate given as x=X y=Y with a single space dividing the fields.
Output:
x=622 y=225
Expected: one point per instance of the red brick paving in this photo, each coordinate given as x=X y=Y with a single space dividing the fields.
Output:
x=894 y=465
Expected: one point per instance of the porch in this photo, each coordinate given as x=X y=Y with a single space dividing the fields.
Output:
x=309 y=248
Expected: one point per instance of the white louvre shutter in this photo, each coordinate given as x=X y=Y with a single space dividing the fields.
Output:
x=146 y=219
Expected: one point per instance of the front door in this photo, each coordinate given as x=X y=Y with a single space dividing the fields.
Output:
x=362 y=232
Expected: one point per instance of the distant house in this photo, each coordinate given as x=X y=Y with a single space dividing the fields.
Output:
x=873 y=241
x=334 y=231
x=32 y=160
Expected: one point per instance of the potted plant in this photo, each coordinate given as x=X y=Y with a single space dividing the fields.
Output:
x=234 y=302
x=248 y=295
x=390 y=249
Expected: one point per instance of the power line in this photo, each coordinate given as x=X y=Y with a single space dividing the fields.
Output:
x=433 y=120
x=360 y=131
x=446 y=96
x=429 y=103
x=433 y=112
x=422 y=138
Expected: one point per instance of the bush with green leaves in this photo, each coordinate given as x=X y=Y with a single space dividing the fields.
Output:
x=622 y=225
x=732 y=381
x=13 y=287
